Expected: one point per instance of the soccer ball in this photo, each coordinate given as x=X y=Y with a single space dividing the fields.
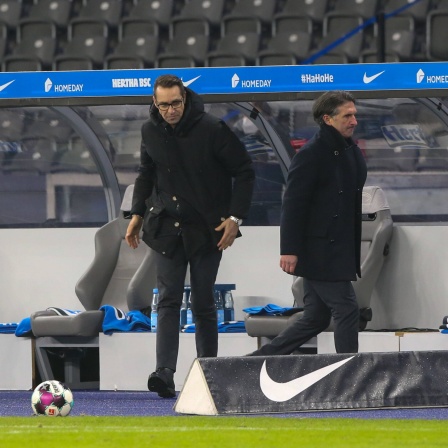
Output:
x=52 y=398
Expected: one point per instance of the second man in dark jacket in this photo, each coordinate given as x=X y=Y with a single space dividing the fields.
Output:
x=320 y=229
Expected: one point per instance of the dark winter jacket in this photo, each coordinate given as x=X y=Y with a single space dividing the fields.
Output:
x=321 y=212
x=191 y=178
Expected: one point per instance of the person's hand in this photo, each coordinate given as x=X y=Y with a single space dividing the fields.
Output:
x=288 y=263
x=133 y=231
x=230 y=229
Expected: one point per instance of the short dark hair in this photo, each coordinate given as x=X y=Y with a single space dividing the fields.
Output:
x=329 y=102
x=168 y=81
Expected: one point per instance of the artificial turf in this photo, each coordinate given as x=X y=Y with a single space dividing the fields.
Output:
x=219 y=432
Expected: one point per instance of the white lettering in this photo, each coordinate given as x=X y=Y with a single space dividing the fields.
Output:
x=317 y=78
x=256 y=83
x=126 y=83
x=433 y=79
x=68 y=87
x=144 y=82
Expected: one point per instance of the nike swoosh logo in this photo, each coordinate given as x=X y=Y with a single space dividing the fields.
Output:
x=3 y=87
x=191 y=81
x=369 y=79
x=285 y=391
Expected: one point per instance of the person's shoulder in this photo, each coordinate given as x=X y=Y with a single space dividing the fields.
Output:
x=313 y=143
x=215 y=124
x=148 y=124
x=211 y=120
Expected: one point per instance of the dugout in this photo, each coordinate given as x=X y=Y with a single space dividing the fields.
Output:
x=69 y=144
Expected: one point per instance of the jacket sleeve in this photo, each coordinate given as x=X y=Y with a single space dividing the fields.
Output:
x=297 y=201
x=234 y=156
x=144 y=182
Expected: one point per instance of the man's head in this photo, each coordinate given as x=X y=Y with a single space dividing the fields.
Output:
x=169 y=97
x=337 y=109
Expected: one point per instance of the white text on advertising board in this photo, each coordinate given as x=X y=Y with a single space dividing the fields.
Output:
x=61 y=88
x=125 y=83
x=68 y=87
x=317 y=78
x=442 y=79
x=250 y=83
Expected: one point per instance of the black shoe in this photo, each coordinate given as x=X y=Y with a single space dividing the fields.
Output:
x=162 y=382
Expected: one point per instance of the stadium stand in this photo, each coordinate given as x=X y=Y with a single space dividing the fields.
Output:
x=287 y=31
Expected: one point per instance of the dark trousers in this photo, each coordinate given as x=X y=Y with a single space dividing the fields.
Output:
x=170 y=281
x=322 y=300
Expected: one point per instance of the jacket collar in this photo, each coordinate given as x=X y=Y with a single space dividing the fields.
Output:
x=333 y=138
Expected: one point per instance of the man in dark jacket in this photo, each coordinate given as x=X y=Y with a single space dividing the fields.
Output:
x=194 y=188
x=320 y=229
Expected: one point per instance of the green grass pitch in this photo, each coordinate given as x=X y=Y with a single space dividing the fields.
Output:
x=219 y=432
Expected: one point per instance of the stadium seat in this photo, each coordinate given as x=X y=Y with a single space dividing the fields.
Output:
x=240 y=24
x=32 y=28
x=332 y=58
x=188 y=26
x=134 y=52
x=225 y=60
x=335 y=26
x=154 y=10
x=284 y=46
x=81 y=47
x=58 y=11
x=211 y=10
x=11 y=11
x=86 y=27
x=405 y=23
x=42 y=48
x=127 y=155
x=399 y=46
x=437 y=35
x=48 y=124
x=290 y=24
x=244 y=44
x=69 y=63
x=74 y=157
x=174 y=60
x=195 y=46
x=118 y=276
x=137 y=27
x=12 y=123
x=3 y=47
x=109 y=11
x=419 y=10
x=372 y=57
x=366 y=9
x=314 y=10
x=274 y=58
x=18 y=63
x=377 y=227
x=263 y=10
x=36 y=156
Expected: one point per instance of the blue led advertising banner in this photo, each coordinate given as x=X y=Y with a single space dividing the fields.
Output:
x=227 y=80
